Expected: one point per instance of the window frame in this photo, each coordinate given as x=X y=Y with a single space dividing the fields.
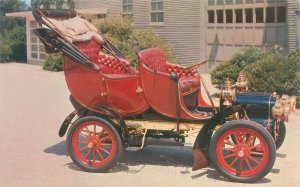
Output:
x=157 y=12
x=127 y=4
x=40 y=48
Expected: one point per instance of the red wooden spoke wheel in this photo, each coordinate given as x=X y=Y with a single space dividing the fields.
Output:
x=242 y=151
x=94 y=144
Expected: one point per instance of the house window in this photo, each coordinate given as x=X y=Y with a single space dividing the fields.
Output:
x=229 y=16
x=37 y=47
x=281 y=14
x=239 y=16
x=220 y=2
x=211 y=16
x=229 y=2
x=157 y=14
x=220 y=18
x=249 y=15
x=248 y=1
x=259 y=14
x=211 y=2
x=270 y=17
x=238 y=1
x=127 y=9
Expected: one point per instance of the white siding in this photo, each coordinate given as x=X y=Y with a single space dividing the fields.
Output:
x=293 y=6
x=181 y=27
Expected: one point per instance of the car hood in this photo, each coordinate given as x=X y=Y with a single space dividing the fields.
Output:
x=255 y=98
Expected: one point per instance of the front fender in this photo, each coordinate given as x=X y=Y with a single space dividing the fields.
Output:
x=204 y=136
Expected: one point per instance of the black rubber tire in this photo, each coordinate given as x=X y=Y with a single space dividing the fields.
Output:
x=244 y=124
x=281 y=137
x=83 y=166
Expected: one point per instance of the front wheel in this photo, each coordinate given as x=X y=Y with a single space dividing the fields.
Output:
x=242 y=151
x=94 y=144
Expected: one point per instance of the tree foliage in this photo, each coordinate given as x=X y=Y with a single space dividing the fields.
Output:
x=12 y=32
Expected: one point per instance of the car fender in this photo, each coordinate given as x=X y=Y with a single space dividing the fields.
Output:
x=205 y=134
x=100 y=111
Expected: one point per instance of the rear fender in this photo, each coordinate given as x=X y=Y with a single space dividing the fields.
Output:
x=100 y=111
x=108 y=113
x=64 y=126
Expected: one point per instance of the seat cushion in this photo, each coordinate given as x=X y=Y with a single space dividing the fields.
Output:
x=189 y=80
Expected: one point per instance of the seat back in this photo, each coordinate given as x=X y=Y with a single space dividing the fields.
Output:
x=112 y=65
x=89 y=48
x=154 y=59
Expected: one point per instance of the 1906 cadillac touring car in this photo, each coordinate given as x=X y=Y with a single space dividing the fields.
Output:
x=118 y=106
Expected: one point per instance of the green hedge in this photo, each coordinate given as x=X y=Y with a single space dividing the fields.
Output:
x=265 y=73
x=275 y=73
x=232 y=68
x=53 y=62
x=224 y=71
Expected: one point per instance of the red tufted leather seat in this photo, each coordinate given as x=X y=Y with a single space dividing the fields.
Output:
x=108 y=64
x=155 y=59
x=111 y=65
x=89 y=48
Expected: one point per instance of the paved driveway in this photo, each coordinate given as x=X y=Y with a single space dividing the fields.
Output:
x=33 y=103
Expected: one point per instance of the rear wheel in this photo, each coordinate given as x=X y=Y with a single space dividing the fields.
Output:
x=247 y=157
x=94 y=144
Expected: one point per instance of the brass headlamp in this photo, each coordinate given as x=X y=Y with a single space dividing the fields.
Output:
x=228 y=94
x=281 y=109
x=293 y=103
x=242 y=84
x=277 y=110
x=286 y=102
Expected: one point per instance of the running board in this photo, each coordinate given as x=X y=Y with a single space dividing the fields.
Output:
x=165 y=125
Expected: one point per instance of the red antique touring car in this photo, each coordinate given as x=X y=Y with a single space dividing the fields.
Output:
x=118 y=106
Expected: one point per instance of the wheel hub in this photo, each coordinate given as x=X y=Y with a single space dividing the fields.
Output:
x=241 y=154
x=90 y=145
x=93 y=143
x=242 y=151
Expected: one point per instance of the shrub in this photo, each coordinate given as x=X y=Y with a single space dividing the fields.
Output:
x=13 y=45
x=224 y=71
x=53 y=62
x=120 y=29
x=17 y=38
x=247 y=56
x=275 y=73
x=5 y=50
x=238 y=62
x=122 y=34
